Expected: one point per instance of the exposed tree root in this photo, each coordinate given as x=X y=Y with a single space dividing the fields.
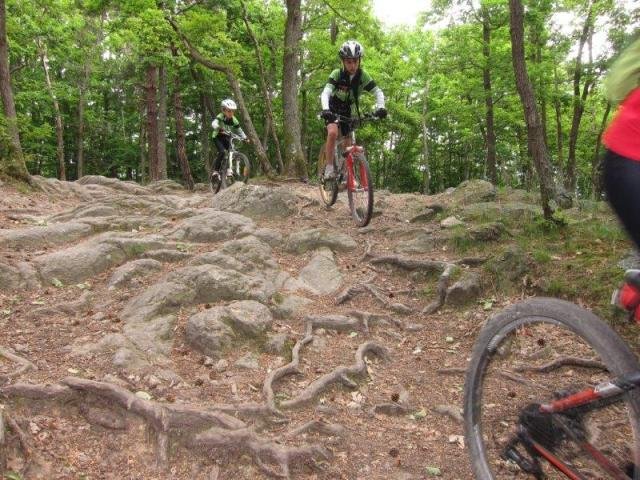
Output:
x=262 y=451
x=290 y=368
x=450 y=411
x=25 y=365
x=563 y=362
x=3 y=460
x=339 y=375
x=520 y=379
x=392 y=408
x=22 y=439
x=330 y=429
x=427 y=266
x=452 y=371
x=364 y=287
x=443 y=284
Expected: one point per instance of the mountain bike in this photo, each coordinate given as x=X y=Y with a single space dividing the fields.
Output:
x=352 y=167
x=551 y=392
x=235 y=167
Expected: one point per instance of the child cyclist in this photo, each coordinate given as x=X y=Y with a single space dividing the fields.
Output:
x=224 y=123
x=341 y=93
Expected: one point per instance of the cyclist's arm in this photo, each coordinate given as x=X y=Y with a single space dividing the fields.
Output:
x=370 y=86
x=328 y=89
x=237 y=129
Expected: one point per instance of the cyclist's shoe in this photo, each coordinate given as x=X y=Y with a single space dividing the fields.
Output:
x=329 y=172
x=229 y=172
x=215 y=174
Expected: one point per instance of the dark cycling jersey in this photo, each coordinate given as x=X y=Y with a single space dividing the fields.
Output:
x=343 y=91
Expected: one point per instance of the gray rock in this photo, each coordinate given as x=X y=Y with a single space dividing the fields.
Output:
x=465 y=290
x=509 y=267
x=277 y=344
x=88 y=259
x=248 y=318
x=214 y=226
x=256 y=201
x=271 y=237
x=425 y=216
x=424 y=242
x=510 y=212
x=221 y=365
x=451 y=222
x=167 y=255
x=488 y=232
x=46 y=235
x=631 y=261
x=207 y=333
x=321 y=275
x=288 y=305
x=248 y=361
x=473 y=191
x=300 y=242
x=123 y=275
x=154 y=337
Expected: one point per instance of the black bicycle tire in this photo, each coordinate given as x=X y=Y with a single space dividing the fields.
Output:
x=333 y=194
x=214 y=188
x=613 y=351
x=364 y=221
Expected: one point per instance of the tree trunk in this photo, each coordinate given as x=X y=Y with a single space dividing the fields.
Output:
x=558 y=109
x=162 y=122
x=293 y=154
x=596 y=164
x=535 y=136
x=205 y=132
x=14 y=164
x=235 y=87
x=492 y=173
x=181 y=150
x=426 y=173
x=270 y=125
x=62 y=175
x=80 y=135
x=143 y=177
x=152 y=124
x=579 y=99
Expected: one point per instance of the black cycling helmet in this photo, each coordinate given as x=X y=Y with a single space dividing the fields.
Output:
x=351 y=49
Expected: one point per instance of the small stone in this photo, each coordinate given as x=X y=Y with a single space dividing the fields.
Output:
x=208 y=362
x=153 y=381
x=221 y=365
x=249 y=361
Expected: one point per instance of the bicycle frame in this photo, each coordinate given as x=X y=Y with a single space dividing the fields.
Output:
x=348 y=152
x=232 y=150
x=608 y=390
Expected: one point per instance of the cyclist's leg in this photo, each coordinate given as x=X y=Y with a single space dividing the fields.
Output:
x=622 y=184
x=222 y=148
x=330 y=145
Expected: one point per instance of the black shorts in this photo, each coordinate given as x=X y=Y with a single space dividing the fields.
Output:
x=621 y=181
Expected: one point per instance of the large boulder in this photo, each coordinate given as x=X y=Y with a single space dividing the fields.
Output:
x=473 y=191
x=38 y=237
x=123 y=275
x=256 y=201
x=214 y=226
x=303 y=241
x=321 y=275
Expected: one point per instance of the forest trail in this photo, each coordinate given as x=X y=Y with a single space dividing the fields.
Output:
x=150 y=332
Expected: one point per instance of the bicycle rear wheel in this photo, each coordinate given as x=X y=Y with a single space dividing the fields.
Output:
x=242 y=167
x=360 y=190
x=328 y=187
x=506 y=374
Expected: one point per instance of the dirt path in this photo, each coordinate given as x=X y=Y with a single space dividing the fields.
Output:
x=383 y=427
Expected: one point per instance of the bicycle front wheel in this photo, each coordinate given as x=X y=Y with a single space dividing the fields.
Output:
x=532 y=353
x=328 y=187
x=242 y=168
x=215 y=182
x=360 y=190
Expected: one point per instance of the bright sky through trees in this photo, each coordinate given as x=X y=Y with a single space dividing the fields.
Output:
x=399 y=12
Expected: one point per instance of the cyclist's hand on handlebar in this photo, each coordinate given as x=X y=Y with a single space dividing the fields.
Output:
x=328 y=115
x=381 y=113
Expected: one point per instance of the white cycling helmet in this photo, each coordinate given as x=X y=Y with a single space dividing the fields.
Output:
x=229 y=104
x=351 y=49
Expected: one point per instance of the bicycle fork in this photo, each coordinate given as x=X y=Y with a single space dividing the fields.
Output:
x=351 y=178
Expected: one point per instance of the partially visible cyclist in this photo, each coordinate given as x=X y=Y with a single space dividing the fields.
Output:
x=622 y=139
x=341 y=95
x=224 y=123
x=621 y=172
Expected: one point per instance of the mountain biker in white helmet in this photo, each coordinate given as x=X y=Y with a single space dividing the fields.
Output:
x=341 y=93
x=224 y=123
